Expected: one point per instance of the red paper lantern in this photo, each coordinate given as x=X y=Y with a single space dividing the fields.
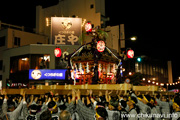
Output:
x=57 y=52
x=88 y=27
x=130 y=54
x=101 y=46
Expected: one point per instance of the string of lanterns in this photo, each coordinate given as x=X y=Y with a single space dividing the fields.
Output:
x=160 y=84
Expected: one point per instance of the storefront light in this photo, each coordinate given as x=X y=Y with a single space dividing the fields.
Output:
x=47 y=57
x=24 y=59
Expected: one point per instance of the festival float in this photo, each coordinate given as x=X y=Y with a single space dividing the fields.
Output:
x=94 y=62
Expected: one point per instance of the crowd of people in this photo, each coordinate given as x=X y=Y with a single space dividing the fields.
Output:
x=107 y=105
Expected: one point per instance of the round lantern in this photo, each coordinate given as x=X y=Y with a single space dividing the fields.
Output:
x=88 y=27
x=57 y=52
x=101 y=46
x=130 y=54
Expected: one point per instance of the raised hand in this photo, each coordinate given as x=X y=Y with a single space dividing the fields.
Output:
x=73 y=95
x=78 y=94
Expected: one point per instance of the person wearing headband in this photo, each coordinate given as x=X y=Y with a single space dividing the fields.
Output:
x=132 y=101
x=122 y=110
x=101 y=113
x=164 y=105
x=55 y=111
x=176 y=108
x=142 y=104
x=155 y=110
x=113 y=112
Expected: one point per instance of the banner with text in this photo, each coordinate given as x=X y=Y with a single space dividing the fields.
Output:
x=65 y=30
x=47 y=74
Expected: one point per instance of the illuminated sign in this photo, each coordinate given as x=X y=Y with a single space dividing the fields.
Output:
x=18 y=84
x=130 y=54
x=65 y=30
x=46 y=74
x=57 y=52
x=101 y=46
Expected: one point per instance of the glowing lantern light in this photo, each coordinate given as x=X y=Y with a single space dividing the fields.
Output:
x=57 y=52
x=130 y=54
x=101 y=46
x=162 y=84
x=88 y=27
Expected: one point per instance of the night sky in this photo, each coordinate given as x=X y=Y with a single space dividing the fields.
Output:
x=154 y=23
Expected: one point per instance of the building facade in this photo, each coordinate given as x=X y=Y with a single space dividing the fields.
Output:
x=13 y=38
x=153 y=71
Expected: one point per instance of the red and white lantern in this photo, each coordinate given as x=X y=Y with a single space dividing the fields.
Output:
x=57 y=52
x=88 y=27
x=101 y=46
x=130 y=54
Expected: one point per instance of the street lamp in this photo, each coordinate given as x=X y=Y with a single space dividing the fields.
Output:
x=134 y=38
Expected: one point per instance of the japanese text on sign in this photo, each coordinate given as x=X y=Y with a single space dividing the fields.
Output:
x=65 y=31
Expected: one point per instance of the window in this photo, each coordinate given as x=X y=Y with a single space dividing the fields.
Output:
x=40 y=61
x=19 y=63
x=2 y=41
x=91 y=6
x=17 y=41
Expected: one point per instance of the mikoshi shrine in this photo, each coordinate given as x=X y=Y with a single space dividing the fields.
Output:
x=94 y=65
x=94 y=62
